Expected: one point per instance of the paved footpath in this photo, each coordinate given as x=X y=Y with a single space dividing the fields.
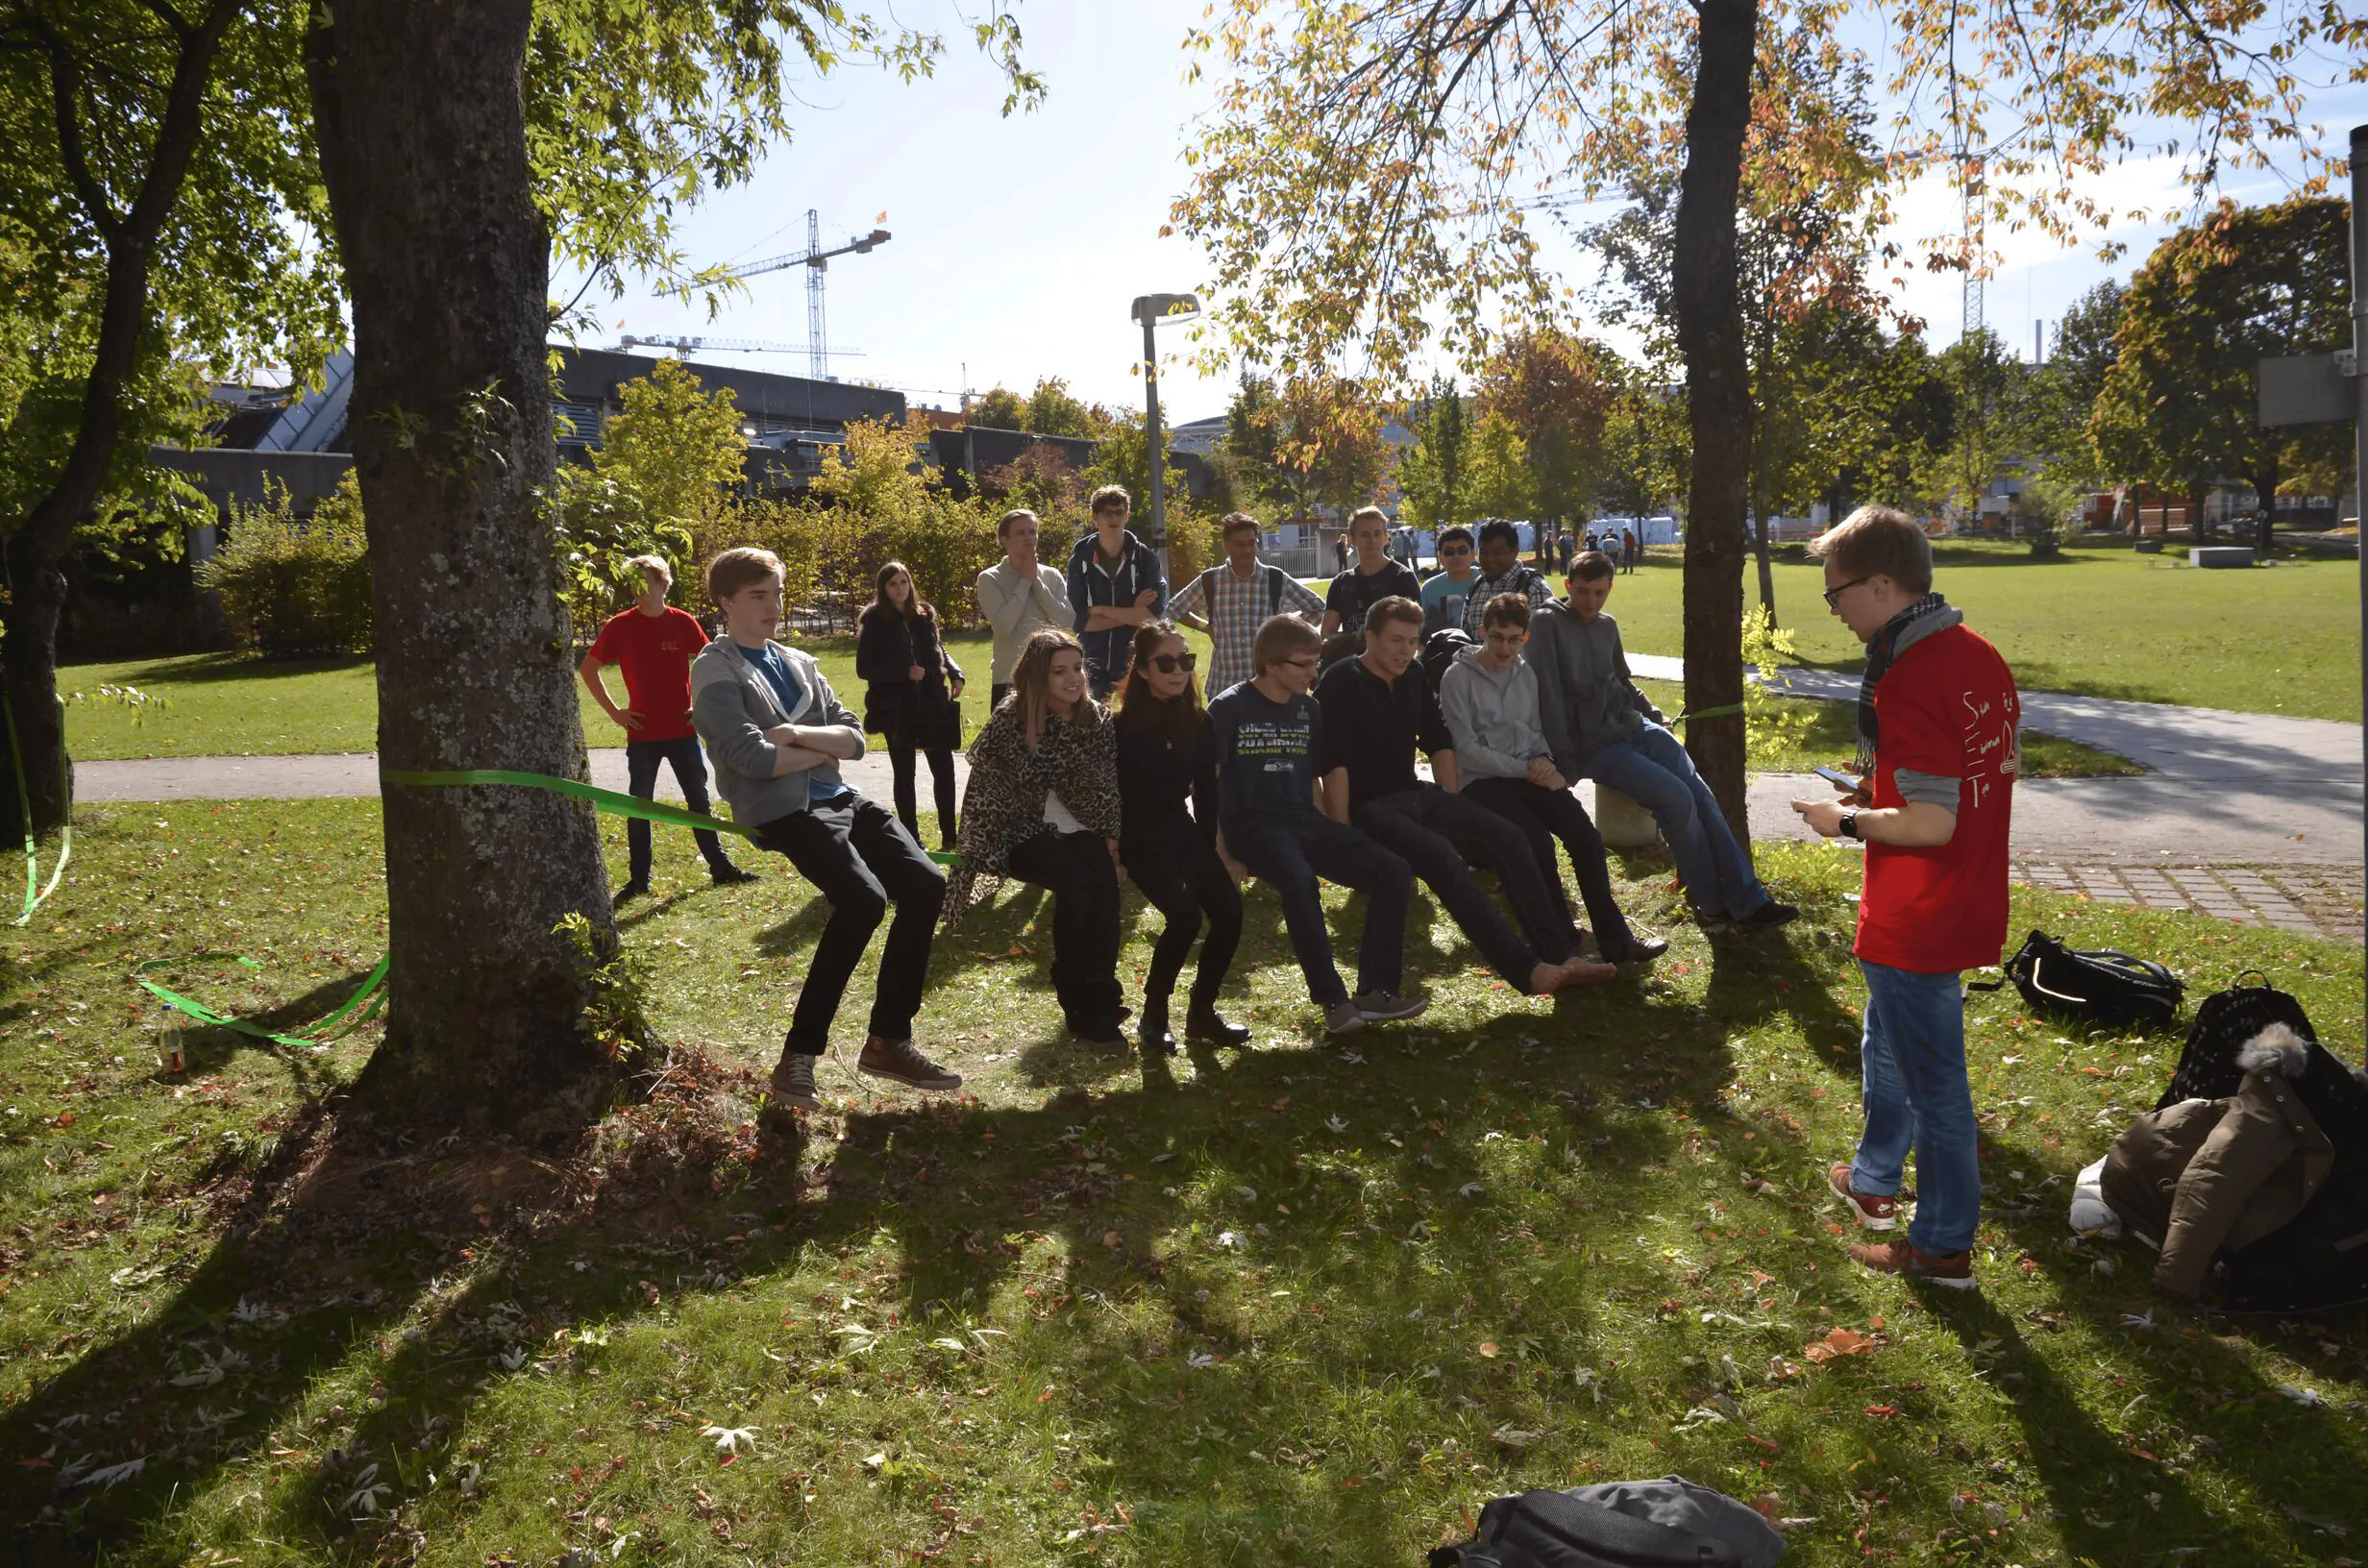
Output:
x=2244 y=816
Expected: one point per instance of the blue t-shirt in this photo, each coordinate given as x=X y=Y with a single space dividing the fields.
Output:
x=774 y=665
x=1266 y=753
x=1443 y=600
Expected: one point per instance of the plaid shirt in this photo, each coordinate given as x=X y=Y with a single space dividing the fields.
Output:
x=1523 y=579
x=1234 y=610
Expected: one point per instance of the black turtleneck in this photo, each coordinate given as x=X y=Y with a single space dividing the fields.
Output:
x=1167 y=757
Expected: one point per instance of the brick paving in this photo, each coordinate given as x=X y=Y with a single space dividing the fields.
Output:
x=2318 y=900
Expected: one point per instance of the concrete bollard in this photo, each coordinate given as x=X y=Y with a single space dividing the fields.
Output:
x=1623 y=823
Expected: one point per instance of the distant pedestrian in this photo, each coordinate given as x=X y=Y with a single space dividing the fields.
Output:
x=1020 y=596
x=912 y=696
x=655 y=642
x=1116 y=584
x=1628 y=550
x=1938 y=755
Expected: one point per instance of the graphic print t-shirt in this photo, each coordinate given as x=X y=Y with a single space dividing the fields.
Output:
x=1266 y=753
x=655 y=654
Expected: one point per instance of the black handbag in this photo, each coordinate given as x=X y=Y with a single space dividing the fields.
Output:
x=2100 y=987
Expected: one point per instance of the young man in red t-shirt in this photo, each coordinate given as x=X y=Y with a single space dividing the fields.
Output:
x=1938 y=757
x=655 y=642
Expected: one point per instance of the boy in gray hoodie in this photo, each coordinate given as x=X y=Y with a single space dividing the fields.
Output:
x=1601 y=727
x=777 y=733
x=1490 y=697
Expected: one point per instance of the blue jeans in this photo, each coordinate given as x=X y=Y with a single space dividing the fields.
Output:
x=1654 y=771
x=1289 y=853
x=690 y=766
x=1912 y=1057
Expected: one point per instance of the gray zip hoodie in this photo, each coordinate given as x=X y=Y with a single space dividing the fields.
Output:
x=732 y=706
x=1493 y=714
x=1586 y=698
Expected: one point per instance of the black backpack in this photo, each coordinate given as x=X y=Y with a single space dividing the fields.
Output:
x=2100 y=987
x=2225 y=1024
x=1556 y=1529
x=1439 y=653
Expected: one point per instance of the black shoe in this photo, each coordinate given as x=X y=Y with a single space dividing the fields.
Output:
x=1639 y=950
x=731 y=876
x=1203 y=1022
x=1769 y=916
x=635 y=888
x=1151 y=1034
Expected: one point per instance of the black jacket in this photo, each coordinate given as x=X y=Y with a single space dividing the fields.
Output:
x=887 y=647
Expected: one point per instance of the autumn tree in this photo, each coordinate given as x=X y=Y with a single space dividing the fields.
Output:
x=998 y=408
x=457 y=143
x=1434 y=475
x=1556 y=391
x=1502 y=483
x=2179 y=405
x=154 y=202
x=1361 y=182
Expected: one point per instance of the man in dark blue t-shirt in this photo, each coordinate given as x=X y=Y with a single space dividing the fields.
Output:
x=1269 y=734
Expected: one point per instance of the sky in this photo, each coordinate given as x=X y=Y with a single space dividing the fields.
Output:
x=1019 y=243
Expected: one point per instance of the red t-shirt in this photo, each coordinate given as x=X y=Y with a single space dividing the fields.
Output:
x=656 y=651
x=1946 y=707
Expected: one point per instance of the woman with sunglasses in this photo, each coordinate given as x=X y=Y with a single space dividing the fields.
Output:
x=1167 y=754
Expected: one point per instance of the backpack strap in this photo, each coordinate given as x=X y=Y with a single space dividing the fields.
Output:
x=1274 y=591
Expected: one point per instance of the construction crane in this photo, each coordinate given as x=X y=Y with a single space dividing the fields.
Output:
x=722 y=345
x=817 y=261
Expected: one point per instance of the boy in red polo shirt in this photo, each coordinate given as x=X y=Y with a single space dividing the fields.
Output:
x=655 y=642
x=1939 y=754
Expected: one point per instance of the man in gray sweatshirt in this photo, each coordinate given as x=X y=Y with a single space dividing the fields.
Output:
x=1601 y=727
x=1489 y=696
x=778 y=734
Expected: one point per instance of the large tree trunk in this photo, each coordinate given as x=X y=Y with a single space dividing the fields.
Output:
x=36 y=557
x=1710 y=334
x=421 y=122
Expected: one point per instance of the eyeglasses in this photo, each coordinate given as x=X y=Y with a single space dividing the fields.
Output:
x=1168 y=664
x=1833 y=596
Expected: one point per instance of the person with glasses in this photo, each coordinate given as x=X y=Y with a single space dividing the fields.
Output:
x=1231 y=600
x=1600 y=727
x=1168 y=837
x=1443 y=592
x=1938 y=721
x=1270 y=735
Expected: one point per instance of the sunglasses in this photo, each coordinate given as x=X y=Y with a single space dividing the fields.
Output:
x=1168 y=664
x=1455 y=549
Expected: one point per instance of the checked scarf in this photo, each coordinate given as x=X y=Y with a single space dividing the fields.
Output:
x=1918 y=621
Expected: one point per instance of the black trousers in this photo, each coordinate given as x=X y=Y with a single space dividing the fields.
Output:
x=1289 y=853
x=690 y=764
x=903 y=756
x=1077 y=869
x=1174 y=862
x=1545 y=815
x=862 y=861
x=1436 y=833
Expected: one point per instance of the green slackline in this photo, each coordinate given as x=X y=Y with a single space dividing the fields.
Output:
x=1708 y=713
x=608 y=801
x=33 y=900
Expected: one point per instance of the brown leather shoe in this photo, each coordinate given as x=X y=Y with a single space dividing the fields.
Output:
x=897 y=1061
x=1908 y=1261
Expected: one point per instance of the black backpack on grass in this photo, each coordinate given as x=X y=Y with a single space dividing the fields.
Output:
x=2101 y=988
x=1609 y=1527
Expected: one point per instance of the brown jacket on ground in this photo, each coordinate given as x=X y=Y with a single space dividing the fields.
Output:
x=2207 y=1174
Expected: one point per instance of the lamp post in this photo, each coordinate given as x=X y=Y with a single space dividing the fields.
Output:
x=1150 y=310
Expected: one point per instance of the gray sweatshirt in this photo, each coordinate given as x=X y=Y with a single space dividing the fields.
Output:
x=1493 y=714
x=1017 y=609
x=732 y=706
x=1586 y=698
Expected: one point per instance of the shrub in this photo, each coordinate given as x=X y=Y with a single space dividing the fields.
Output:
x=295 y=586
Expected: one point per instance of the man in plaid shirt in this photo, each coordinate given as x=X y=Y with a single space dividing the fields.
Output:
x=1231 y=603
x=1501 y=572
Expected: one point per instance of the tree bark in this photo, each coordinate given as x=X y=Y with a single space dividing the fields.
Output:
x=1710 y=334
x=421 y=121
x=36 y=556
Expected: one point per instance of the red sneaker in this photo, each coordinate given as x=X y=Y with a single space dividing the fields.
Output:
x=1875 y=1210
x=1901 y=1258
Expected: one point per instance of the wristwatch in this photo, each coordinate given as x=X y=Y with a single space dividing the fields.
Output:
x=1850 y=822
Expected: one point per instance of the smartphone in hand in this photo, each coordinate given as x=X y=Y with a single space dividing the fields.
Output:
x=1840 y=780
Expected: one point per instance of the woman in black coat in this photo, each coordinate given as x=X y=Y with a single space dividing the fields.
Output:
x=1166 y=762
x=912 y=694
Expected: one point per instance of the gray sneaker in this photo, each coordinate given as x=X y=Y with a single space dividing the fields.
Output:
x=793 y=1082
x=897 y=1061
x=1383 y=1006
x=1343 y=1018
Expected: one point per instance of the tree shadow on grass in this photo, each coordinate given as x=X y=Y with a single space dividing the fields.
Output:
x=199 y=668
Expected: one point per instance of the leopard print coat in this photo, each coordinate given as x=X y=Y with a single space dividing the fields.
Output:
x=1003 y=805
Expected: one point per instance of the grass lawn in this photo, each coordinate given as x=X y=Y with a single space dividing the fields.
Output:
x=225 y=705
x=2100 y=620
x=1305 y=1304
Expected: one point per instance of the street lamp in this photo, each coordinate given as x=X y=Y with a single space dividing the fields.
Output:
x=1150 y=310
